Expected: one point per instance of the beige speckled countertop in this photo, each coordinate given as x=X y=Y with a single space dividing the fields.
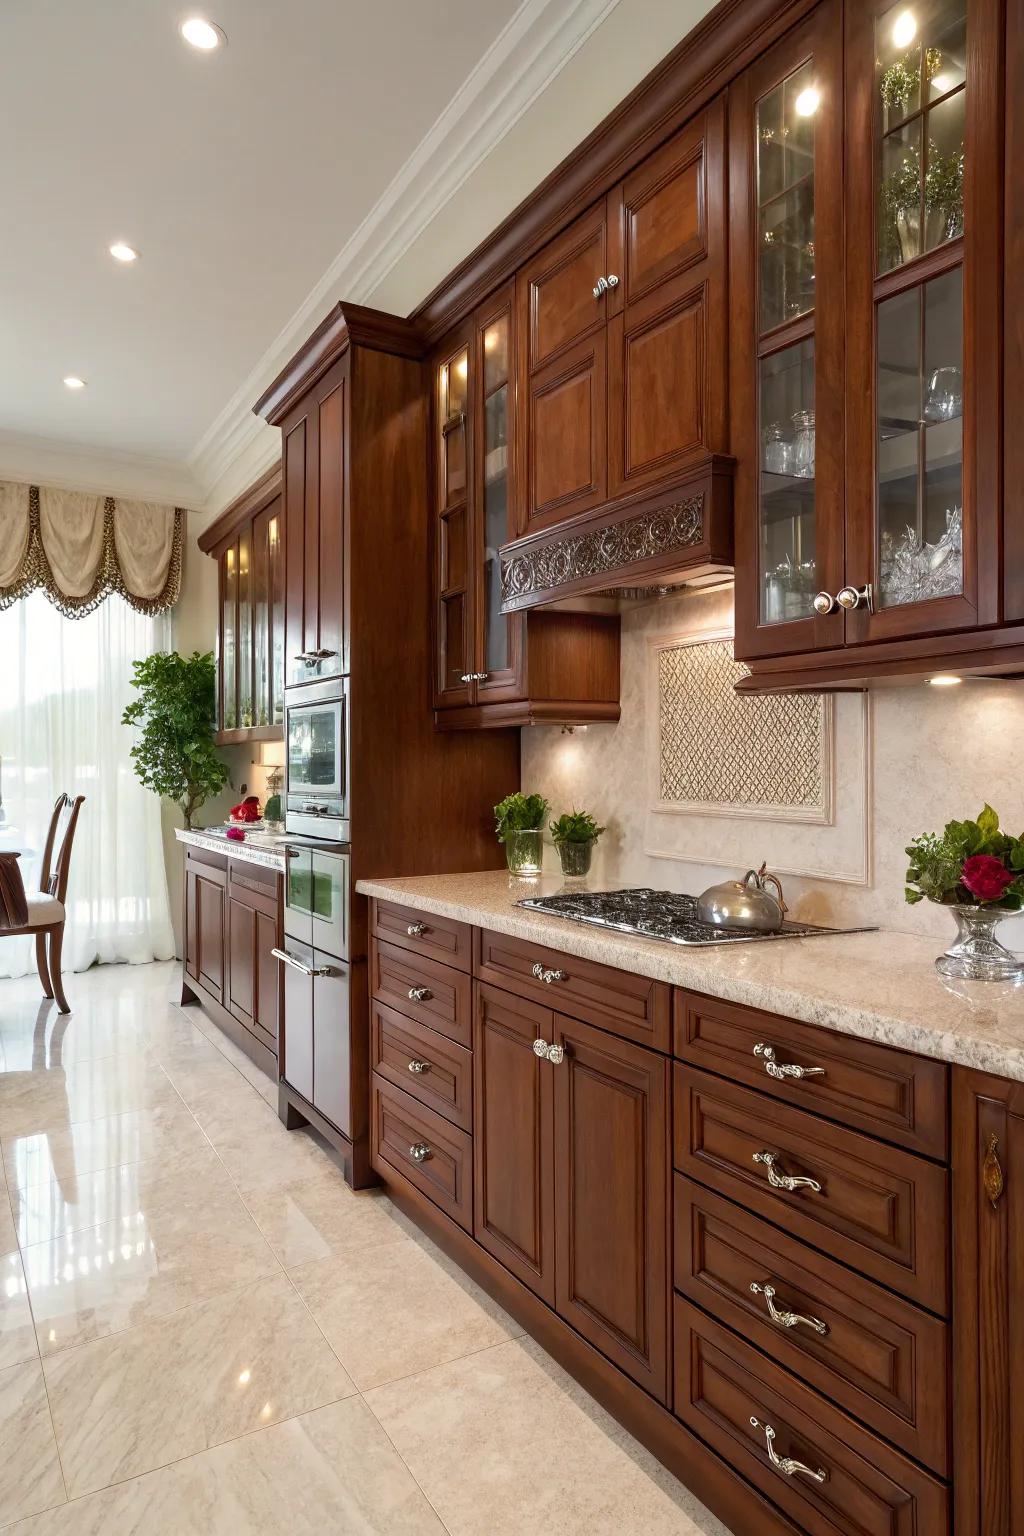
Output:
x=258 y=848
x=881 y=986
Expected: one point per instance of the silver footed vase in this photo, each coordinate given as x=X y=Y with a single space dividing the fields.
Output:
x=976 y=954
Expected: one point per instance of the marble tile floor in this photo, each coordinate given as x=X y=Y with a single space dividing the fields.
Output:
x=203 y=1329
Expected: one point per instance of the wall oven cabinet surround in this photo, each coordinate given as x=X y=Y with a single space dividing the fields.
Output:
x=247 y=541
x=233 y=924
x=867 y=408
x=353 y=407
x=491 y=668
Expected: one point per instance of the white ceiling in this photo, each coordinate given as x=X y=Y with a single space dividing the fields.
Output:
x=334 y=147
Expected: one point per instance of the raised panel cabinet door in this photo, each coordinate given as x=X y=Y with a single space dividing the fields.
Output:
x=268 y=979
x=332 y=432
x=300 y=530
x=332 y=1071
x=512 y=1144
x=455 y=513
x=988 y=1299
x=241 y=977
x=667 y=335
x=210 y=923
x=558 y=305
x=191 y=949
x=611 y=1104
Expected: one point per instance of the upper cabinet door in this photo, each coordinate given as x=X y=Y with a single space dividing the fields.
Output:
x=499 y=636
x=924 y=175
x=787 y=300
x=332 y=450
x=301 y=527
x=315 y=494
x=666 y=392
x=454 y=617
x=562 y=313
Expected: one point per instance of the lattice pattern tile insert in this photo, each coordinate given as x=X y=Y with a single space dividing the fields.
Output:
x=718 y=747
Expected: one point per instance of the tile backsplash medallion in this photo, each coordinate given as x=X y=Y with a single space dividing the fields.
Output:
x=898 y=761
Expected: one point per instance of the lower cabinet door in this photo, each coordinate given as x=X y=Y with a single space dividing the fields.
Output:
x=241 y=960
x=512 y=1123
x=268 y=983
x=332 y=1087
x=297 y=1062
x=210 y=903
x=831 y=1476
x=611 y=1158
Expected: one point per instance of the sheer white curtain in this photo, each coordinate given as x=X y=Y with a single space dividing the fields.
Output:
x=63 y=685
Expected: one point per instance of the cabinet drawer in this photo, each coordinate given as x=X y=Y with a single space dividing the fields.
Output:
x=870 y=1087
x=444 y=1173
x=633 y=1006
x=879 y=1209
x=424 y=990
x=882 y=1359
x=869 y=1488
x=429 y=1066
x=438 y=938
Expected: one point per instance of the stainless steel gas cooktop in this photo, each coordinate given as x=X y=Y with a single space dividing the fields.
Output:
x=663 y=915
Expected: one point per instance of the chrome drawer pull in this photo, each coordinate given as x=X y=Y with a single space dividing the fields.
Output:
x=416 y=930
x=781 y=1069
x=297 y=965
x=783 y=1319
x=786 y=1464
x=419 y=1151
x=788 y=1181
x=553 y=1053
x=420 y=994
x=549 y=976
x=416 y=1067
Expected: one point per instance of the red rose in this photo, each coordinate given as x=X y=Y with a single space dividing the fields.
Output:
x=985 y=877
x=236 y=834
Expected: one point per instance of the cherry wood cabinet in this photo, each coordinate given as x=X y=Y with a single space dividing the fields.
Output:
x=247 y=541
x=205 y=924
x=988 y=1253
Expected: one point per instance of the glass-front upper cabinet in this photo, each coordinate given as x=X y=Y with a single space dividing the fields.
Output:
x=922 y=459
x=497 y=633
x=786 y=176
x=453 y=534
x=250 y=642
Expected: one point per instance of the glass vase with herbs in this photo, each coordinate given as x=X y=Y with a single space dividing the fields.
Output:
x=519 y=823
x=574 y=835
x=977 y=871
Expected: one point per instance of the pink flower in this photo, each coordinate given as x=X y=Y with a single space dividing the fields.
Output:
x=986 y=877
x=236 y=834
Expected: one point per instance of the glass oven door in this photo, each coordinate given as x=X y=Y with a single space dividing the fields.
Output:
x=316 y=749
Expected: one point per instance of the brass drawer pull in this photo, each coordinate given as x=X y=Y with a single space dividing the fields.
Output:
x=782 y=1069
x=548 y=976
x=785 y=1464
x=420 y=994
x=419 y=1151
x=781 y=1318
x=416 y=930
x=416 y=1067
x=992 y=1177
x=782 y=1180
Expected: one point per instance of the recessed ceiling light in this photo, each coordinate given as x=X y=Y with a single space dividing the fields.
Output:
x=945 y=680
x=904 y=29
x=74 y=382
x=808 y=101
x=122 y=252
x=202 y=34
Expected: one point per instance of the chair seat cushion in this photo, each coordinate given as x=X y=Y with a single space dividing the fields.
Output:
x=43 y=909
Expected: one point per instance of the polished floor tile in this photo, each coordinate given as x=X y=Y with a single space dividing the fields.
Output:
x=332 y=1471
x=36 y=1157
x=239 y=1362
x=86 y=1090
x=17 y=1331
x=85 y=1285
x=46 y=1211
x=255 y=1147
x=398 y=1308
x=30 y=1476
x=504 y=1442
x=8 y=1235
x=319 y=1216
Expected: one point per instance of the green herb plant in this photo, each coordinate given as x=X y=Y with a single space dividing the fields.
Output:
x=937 y=863
x=575 y=827
x=519 y=813
x=176 y=714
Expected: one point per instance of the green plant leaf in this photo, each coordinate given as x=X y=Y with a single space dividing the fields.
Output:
x=175 y=712
x=988 y=822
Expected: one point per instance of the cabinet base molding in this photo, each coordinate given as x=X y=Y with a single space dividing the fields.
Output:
x=294 y=1111
x=193 y=991
x=745 y=1511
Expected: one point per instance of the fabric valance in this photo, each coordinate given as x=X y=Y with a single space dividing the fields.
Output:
x=78 y=548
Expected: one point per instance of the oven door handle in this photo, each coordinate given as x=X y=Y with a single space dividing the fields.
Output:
x=297 y=965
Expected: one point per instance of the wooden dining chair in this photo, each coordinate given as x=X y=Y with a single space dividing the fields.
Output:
x=46 y=912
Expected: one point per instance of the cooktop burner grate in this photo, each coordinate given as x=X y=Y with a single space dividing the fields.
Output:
x=663 y=915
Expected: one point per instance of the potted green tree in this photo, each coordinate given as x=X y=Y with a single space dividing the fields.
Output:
x=519 y=823
x=574 y=834
x=175 y=711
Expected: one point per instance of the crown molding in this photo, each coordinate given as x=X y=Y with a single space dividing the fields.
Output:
x=538 y=42
x=79 y=467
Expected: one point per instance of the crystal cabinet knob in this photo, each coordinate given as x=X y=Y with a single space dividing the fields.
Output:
x=850 y=598
x=416 y=930
x=824 y=603
x=419 y=1151
x=420 y=994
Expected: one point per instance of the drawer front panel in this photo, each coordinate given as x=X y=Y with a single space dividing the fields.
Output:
x=432 y=1068
x=881 y=1358
x=438 y=938
x=869 y=1087
x=443 y=1171
x=633 y=1006
x=424 y=990
x=879 y=1209
x=869 y=1489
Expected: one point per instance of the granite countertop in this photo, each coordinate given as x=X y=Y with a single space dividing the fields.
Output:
x=265 y=848
x=880 y=986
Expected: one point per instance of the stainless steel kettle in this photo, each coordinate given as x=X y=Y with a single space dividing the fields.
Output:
x=746 y=903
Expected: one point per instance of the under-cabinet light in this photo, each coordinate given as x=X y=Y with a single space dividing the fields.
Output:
x=944 y=680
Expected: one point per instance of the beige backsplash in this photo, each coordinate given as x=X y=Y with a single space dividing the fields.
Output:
x=931 y=754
